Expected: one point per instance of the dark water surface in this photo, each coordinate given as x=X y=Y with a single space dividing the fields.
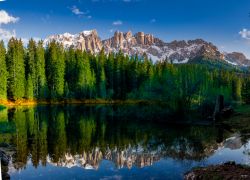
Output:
x=111 y=142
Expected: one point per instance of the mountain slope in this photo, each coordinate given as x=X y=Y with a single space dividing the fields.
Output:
x=155 y=48
x=85 y=41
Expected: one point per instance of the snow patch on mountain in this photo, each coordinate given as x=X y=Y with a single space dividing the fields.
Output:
x=142 y=44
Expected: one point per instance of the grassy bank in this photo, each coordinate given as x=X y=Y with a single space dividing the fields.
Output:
x=2 y=107
x=73 y=101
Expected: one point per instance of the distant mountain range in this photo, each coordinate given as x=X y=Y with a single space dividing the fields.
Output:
x=146 y=44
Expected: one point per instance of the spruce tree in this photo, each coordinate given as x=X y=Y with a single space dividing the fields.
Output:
x=30 y=67
x=55 y=70
x=3 y=72
x=245 y=92
x=103 y=84
x=29 y=88
x=236 y=89
x=41 y=88
x=16 y=70
x=85 y=78
x=70 y=72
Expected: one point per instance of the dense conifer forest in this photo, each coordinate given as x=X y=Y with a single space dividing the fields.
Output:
x=54 y=73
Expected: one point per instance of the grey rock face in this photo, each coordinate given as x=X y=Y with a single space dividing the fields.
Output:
x=141 y=43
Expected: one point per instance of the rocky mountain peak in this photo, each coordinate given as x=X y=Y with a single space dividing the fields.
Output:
x=142 y=43
x=89 y=33
x=144 y=39
x=85 y=41
x=237 y=58
x=128 y=35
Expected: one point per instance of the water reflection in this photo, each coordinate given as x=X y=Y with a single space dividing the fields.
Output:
x=77 y=136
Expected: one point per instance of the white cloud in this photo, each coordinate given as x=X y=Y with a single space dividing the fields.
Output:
x=245 y=34
x=5 y=18
x=5 y=35
x=2 y=0
x=76 y=11
x=117 y=23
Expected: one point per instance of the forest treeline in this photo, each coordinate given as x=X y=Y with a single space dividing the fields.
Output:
x=55 y=73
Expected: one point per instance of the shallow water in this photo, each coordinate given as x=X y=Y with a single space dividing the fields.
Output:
x=111 y=142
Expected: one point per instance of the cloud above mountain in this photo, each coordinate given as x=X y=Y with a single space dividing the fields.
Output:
x=76 y=11
x=245 y=34
x=117 y=23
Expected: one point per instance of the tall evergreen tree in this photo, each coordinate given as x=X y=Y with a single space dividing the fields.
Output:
x=55 y=70
x=16 y=69
x=245 y=93
x=236 y=89
x=3 y=72
x=85 y=77
x=29 y=94
x=30 y=70
x=70 y=72
x=103 y=84
x=41 y=89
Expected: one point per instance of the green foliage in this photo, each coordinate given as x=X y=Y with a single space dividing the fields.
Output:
x=55 y=66
x=30 y=66
x=56 y=73
x=16 y=69
x=41 y=89
x=29 y=88
x=3 y=73
x=245 y=93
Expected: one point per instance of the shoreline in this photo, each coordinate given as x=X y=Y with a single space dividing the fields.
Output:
x=228 y=170
x=9 y=103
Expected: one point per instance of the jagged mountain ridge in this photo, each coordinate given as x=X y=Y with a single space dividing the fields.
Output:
x=85 y=40
x=146 y=44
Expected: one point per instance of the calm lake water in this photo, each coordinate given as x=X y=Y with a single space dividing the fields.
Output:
x=111 y=142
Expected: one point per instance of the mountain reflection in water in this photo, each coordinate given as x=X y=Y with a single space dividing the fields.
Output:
x=86 y=136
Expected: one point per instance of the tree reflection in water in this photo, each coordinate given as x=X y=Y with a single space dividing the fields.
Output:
x=83 y=136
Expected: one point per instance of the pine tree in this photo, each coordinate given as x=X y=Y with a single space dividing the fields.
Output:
x=16 y=70
x=70 y=72
x=109 y=68
x=41 y=88
x=81 y=76
x=245 y=92
x=103 y=84
x=29 y=88
x=85 y=78
x=236 y=89
x=30 y=69
x=3 y=72
x=56 y=70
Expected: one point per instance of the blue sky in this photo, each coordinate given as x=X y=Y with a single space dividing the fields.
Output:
x=223 y=22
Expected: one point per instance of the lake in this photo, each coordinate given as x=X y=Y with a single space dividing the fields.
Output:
x=111 y=142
